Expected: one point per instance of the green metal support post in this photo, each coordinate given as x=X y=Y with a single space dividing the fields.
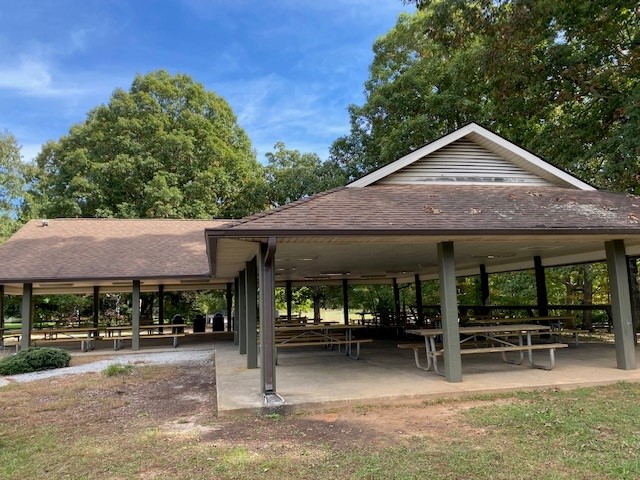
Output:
x=135 y=316
x=242 y=313
x=229 y=299
x=267 y=322
x=1 y=314
x=96 y=309
x=288 y=290
x=251 y=294
x=27 y=315
x=236 y=311
x=449 y=312
x=621 y=304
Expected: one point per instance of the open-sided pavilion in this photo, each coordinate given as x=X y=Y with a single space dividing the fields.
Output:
x=470 y=203
x=99 y=256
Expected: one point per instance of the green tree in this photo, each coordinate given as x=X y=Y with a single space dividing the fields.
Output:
x=167 y=148
x=292 y=175
x=561 y=78
x=12 y=184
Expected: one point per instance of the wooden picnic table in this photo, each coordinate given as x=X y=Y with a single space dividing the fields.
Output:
x=548 y=320
x=52 y=333
x=498 y=338
x=149 y=328
x=119 y=339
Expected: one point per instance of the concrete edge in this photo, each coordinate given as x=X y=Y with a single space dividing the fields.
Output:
x=287 y=409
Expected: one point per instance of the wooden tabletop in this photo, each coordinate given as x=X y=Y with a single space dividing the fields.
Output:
x=66 y=330
x=432 y=332
x=488 y=321
x=146 y=327
x=317 y=326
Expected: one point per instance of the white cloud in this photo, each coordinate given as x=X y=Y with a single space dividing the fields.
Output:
x=273 y=108
x=26 y=75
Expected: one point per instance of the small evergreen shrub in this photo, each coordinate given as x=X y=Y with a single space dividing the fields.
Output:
x=116 y=369
x=34 y=359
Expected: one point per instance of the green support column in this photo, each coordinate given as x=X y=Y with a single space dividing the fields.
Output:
x=345 y=301
x=27 y=315
x=251 y=275
x=288 y=292
x=449 y=312
x=236 y=311
x=96 y=309
x=1 y=314
x=242 y=312
x=229 y=299
x=266 y=267
x=620 y=304
x=135 y=316
x=161 y=305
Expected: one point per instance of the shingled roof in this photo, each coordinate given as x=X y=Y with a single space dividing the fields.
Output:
x=439 y=209
x=501 y=205
x=91 y=249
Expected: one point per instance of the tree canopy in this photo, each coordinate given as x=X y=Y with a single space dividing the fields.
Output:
x=166 y=148
x=13 y=174
x=291 y=175
x=559 y=78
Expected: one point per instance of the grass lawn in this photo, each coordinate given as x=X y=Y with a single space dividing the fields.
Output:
x=160 y=422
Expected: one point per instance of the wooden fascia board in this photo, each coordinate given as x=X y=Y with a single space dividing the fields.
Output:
x=264 y=234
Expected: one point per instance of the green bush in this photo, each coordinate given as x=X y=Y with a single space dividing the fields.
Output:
x=118 y=369
x=34 y=359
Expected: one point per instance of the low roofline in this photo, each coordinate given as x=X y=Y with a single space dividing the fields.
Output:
x=204 y=277
x=264 y=233
x=445 y=140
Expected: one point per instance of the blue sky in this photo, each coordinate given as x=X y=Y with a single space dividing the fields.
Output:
x=289 y=68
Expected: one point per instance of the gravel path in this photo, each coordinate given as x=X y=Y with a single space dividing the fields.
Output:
x=183 y=356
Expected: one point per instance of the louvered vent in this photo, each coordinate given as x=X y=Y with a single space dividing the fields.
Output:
x=463 y=161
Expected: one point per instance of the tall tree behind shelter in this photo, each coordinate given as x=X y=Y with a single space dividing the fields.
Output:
x=13 y=174
x=291 y=175
x=167 y=148
x=561 y=78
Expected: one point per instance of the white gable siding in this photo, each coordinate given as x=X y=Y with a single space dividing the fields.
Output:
x=463 y=161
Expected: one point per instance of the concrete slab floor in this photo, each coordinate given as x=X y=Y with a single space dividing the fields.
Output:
x=313 y=377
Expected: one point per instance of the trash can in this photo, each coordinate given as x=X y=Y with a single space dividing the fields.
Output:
x=199 y=323
x=177 y=320
x=218 y=322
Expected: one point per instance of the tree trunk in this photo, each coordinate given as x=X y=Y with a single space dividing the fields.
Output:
x=587 y=298
x=571 y=290
x=146 y=307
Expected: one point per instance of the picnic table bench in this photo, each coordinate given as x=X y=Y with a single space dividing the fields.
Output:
x=176 y=331
x=497 y=338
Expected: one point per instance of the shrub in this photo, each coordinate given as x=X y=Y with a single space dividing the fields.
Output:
x=118 y=369
x=34 y=359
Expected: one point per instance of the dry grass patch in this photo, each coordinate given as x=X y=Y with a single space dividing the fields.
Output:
x=159 y=422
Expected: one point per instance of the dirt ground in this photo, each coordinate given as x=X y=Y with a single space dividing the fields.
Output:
x=180 y=399
x=184 y=402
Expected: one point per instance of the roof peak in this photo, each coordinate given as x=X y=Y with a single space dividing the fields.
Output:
x=473 y=155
